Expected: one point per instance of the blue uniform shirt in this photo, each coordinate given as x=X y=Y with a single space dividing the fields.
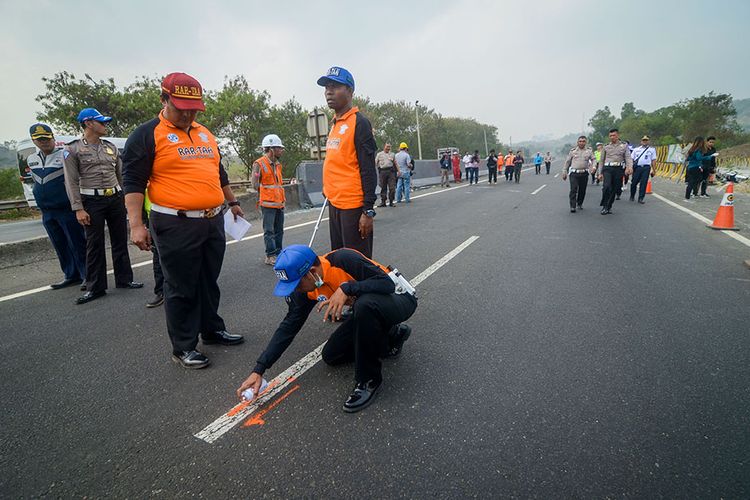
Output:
x=49 y=181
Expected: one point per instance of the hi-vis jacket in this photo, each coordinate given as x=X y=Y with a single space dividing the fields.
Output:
x=271 y=189
x=49 y=180
x=345 y=268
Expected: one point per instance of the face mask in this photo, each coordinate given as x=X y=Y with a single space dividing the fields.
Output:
x=318 y=280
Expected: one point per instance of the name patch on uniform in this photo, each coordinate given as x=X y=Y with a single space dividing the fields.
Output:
x=173 y=138
x=333 y=143
x=192 y=153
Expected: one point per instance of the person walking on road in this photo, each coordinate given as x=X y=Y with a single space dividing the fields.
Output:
x=709 y=165
x=696 y=158
x=374 y=330
x=547 y=161
x=456 y=162
x=403 y=161
x=178 y=159
x=349 y=172
x=466 y=160
x=386 y=164
x=509 y=159
x=445 y=166
x=598 y=156
x=492 y=167
x=518 y=165
x=473 y=168
x=643 y=156
x=615 y=160
x=267 y=180
x=93 y=180
x=578 y=164
x=68 y=238
x=538 y=163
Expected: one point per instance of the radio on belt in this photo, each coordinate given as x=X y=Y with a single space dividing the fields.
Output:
x=402 y=284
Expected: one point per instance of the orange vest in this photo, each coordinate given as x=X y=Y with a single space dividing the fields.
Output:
x=509 y=160
x=342 y=183
x=185 y=172
x=333 y=277
x=271 y=190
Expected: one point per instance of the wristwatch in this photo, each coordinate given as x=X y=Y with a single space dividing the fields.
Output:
x=369 y=213
x=233 y=203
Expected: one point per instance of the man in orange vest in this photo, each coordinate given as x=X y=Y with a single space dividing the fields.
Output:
x=271 y=197
x=349 y=172
x=509 y=159
x=382 y=301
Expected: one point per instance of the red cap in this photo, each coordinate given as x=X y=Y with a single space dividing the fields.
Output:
x=184 y=90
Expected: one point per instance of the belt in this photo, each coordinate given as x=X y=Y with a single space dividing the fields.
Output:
x=190 y=214
x=578 y=171
x=613 y=164
x=101 y=191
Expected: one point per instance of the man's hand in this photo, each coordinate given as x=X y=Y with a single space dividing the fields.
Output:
x=335 y=305
x=83 y=217
x=629 y=171
x=564 y=175
x=140 y=237
x=237 y=211
x=600 y=177
x=253 y=382
x=365 y=225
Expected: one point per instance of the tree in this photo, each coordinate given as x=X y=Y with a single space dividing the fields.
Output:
x=66 y=95
x=601 y=123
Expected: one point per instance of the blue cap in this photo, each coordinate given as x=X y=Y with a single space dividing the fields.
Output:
x=40 y=131
x=291 y=265
x=87 y=114
x=338 y=75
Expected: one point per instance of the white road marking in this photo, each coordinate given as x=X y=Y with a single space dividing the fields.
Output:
x=539 y=189
x=557 y=175
x=731 y=234
x=226 y=422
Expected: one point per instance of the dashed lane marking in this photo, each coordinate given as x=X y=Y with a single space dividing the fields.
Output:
x=539 y=189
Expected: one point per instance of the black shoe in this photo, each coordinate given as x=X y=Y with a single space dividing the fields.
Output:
x=362 y=395
x=83 y=286
x=632 y=198
x=572 y=210
x=381 y=205
x=192 y=360
x=131 y=285
x=89 y=296
x=393 y=204
x=617 y=197
x=641 y=202
x=156 y=301
x=401 y=335
x=604 y=211
x=222 y=337
x=580 y=207
x=65 y=283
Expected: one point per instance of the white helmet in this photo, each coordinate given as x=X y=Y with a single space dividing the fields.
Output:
x=271 y=141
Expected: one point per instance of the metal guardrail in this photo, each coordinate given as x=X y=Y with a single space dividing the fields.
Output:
x=10 y=205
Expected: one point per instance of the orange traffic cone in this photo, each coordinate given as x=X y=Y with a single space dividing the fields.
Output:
x=725 y=216
x=648 y=187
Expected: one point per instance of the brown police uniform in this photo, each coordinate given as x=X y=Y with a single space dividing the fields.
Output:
x=614 y=160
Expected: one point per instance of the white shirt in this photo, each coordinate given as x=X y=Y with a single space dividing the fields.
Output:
x=648 y=157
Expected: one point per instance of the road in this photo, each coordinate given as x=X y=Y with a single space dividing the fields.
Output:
x=557 y=355
x=23 y=230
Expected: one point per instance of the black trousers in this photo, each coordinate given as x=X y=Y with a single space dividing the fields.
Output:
x=704 y=179
x=156 y=264
x=492 y=174
x=694 y=177
x=547 y=166
x=109 y=209
x=343 y=225
x=192 y=252
x=640 y=181
x=387 y=184
x=517 y=173
x=578 y=184
x=611 y=185
x=364 y=337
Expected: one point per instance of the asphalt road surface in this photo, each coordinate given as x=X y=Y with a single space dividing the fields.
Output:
x=556 y=355
x=23 y=230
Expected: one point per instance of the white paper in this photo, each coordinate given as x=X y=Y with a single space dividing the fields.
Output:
x=237 y=229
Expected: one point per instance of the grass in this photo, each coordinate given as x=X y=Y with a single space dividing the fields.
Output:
x=18 y=213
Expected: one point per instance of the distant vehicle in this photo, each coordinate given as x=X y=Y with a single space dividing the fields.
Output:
x=449 y=150
x=26 y=147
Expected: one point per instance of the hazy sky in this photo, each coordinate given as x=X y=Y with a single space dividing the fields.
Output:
x=531 y=67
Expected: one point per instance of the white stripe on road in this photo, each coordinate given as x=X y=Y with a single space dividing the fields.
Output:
x=539 y=189
x=698 y=216
x=226 y=422
x=556 y=175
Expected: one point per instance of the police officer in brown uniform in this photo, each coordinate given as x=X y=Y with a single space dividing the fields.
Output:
x=578 y=164
x=614 y=160
x=93 y=180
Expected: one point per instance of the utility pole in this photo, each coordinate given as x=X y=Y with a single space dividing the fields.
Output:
x=419 y=137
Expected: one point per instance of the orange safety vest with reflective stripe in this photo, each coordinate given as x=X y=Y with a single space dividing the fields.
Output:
x=333 y=277
x=271 y=190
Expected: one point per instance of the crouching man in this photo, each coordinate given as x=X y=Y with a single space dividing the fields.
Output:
x=381 y=301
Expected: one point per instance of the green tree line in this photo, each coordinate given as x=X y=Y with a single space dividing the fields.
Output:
x=710 y=114
x=240 y=116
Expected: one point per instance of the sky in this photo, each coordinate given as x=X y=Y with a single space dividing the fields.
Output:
x=530 y=68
